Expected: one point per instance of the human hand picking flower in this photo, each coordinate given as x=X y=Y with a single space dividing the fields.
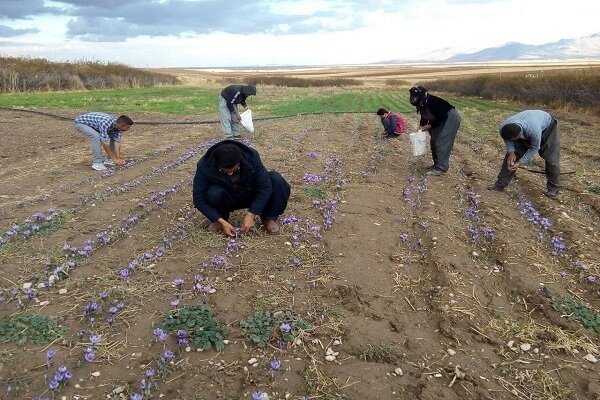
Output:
x=248 y=222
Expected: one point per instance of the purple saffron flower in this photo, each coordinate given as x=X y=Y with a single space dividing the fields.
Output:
x=175 y=303
x=53 y=384
x=150 y=372
x=182 y=333
x=297 y=262
x=217 y=261
x=168 y=355
x=285 y=328
x=275 y=365
x=592 y=278
x=259 y=396
x=178 y=282
x=182 y=342
x=113 y=310
x=104 y=295
x=89 y=355
x=160 y=334
x=95 y=339
x=404 y=237
x=124 y=274
x=50 y=355
x=136 y=396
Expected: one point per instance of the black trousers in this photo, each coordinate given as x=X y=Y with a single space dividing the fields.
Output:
x=549 y=151
x=226 y=202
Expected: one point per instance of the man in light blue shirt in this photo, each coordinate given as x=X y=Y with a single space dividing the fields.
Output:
x=527 y=133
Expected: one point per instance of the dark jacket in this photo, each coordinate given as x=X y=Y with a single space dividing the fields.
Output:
x=255 y=181
x=438 y=107
x=237 y=94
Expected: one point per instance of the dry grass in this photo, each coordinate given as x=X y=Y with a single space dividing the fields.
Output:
x=38 y=74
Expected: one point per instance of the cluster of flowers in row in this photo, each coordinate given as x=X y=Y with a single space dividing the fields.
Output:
x=472 y=212
x=558 y=246
x=29 y=226
x=132 y=163
x=412 y=191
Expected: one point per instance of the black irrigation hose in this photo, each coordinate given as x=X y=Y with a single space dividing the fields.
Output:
x=535 y=171
x=217 y=122
x=193 y=122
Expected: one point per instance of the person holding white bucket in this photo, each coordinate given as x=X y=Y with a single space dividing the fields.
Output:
x=442 y=121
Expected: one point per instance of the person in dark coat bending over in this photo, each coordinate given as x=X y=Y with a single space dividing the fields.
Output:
x=442 y=121
x=229 y=99
x=231 y=176
x=524 y=134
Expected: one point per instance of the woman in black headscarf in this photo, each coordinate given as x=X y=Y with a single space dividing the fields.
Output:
x=442 y=121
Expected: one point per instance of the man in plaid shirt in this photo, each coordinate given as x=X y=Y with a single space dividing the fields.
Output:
x=104 y=131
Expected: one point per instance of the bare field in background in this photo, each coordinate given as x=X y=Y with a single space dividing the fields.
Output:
x=376 y=75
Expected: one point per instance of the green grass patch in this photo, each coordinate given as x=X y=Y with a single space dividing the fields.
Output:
x=186 y=100
x=34 y=327
x=315 y=192
x=54 y=225
x=258 y=327
x=263 y=327
x=594 y=189
x=577 y=311
x=379 y=353
x=200 y=326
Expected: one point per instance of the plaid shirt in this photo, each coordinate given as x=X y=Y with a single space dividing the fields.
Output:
x=102 y=123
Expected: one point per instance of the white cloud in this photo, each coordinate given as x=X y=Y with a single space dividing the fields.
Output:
x=335 y=32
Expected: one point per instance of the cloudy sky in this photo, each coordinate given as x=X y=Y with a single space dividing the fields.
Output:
x=212 y=33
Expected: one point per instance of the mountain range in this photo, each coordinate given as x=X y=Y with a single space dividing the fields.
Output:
x=582 y=48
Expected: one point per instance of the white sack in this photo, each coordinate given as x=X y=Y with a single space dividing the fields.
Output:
x=247 y=120
x=418 y=142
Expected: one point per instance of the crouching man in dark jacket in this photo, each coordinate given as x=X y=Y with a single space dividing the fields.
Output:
x=231 y=176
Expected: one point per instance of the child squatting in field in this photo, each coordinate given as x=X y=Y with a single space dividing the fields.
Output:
x=105 y=131
x=393 y=123
x=442 y=121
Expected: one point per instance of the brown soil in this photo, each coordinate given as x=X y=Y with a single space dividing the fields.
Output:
x=438 y=306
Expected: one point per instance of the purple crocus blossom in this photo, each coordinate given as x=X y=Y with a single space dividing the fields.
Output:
x=275 y=365
x=95 y=339
x=178 y=282
x=168 y=355
x=285 y=327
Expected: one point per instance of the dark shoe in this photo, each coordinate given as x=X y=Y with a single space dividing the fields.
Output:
x=215 y=227
x=271 y=227
x=435 y=172
x=551 y=193
x=496 y=188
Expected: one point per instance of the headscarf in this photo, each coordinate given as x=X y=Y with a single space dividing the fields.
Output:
x=421 y=95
